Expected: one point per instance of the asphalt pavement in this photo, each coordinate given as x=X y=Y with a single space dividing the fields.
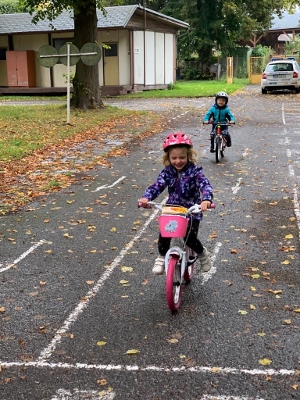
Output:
x=82 y=316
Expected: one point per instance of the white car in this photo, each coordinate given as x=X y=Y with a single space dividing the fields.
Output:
x=281 y=74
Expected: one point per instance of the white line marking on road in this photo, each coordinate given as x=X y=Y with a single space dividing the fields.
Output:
x=207 y=397
x=282 y=113
x=46 y=353
x=151 y=368
x=17 y=260
x=237 y=187
x=208 y=275
x=76 y=394
x=110 y=186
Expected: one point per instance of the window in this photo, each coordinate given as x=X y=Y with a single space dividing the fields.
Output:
x=58 y=43
x=3 y=53
x=112 y=51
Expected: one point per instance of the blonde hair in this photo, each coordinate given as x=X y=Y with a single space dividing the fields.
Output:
x=191 y=154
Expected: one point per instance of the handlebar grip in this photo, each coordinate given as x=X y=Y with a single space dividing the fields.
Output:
x=141 y=205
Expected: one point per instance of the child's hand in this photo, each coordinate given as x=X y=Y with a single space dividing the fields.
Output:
x=143 y=202
x=205 y=122
x=205 y=205
x=231 y=122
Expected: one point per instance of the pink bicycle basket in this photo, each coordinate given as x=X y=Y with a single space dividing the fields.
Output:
x=172 y=225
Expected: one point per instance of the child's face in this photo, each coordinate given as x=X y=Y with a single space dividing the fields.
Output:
x=221 y=101
x=178 y=157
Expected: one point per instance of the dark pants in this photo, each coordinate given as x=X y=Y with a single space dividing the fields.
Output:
x=226 y=135
x=192 y=241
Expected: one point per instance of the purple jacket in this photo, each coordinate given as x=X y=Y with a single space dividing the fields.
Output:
x=185 y=188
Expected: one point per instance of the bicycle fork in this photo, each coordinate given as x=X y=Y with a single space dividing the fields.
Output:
x=176 y=249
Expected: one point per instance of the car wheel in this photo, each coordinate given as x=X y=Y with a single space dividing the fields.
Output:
x=263 y=91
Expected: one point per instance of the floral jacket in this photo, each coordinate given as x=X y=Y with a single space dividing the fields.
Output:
x=185 y=188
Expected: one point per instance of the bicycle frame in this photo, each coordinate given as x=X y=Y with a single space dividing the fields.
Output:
x=220 y=140
x=173 y=223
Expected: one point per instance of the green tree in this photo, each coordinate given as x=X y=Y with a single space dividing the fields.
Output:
x=86 y=81
x=217 y=24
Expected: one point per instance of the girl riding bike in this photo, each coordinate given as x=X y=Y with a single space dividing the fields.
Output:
x=219 y=112
x=186 y=183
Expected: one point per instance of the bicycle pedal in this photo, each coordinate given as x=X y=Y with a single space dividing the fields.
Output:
x=191 y=261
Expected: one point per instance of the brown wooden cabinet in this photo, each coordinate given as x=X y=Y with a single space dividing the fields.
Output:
x=20 y=68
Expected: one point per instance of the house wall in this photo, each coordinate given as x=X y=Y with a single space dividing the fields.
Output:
x=138 y=57
x=154 y=57
x=3 y=69
x=159 y=58
x=122 y=38
x=158 y=52
x=170 y=62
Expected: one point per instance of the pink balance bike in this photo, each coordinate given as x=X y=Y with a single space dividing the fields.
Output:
x=179 y=260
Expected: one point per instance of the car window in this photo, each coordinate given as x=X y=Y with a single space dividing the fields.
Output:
x=280 y=67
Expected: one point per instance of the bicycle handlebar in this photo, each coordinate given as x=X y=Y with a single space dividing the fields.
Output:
x=219 y=123
x=195 y=209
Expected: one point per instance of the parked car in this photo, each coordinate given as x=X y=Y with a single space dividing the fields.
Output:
x=281 y=74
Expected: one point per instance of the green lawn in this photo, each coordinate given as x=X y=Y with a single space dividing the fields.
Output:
x=194 y=89
x=24 y=129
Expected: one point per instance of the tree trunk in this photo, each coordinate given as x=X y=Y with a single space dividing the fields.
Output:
x=86 y=81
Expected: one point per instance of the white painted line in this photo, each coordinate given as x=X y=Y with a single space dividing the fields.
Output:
x=282 y=113
x=152 y=368
x=110 y=186
x=36 y=245
x=154 y=151
x=76 y=394
x=237 y=187
x=207 y=397
x=46 y=353
x=208 y=275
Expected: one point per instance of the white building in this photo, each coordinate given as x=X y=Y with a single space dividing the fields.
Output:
x=141 y=53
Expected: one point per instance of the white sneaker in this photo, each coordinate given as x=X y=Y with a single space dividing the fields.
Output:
x=159 y=266
x=205 y=261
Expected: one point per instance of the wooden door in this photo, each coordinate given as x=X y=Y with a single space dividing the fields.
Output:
x=111 y=65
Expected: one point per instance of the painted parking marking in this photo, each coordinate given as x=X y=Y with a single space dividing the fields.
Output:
x=22 y=256
x=151 y=368
x=46 y=353
x=237 y=187
x=76 y=394
x=106 y=186
x=207 y=397
x=208 y=275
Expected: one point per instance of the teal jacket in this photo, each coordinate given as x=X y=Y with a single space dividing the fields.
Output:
x=219 y=114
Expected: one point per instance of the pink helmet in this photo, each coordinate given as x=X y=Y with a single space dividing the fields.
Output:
x=177 y=138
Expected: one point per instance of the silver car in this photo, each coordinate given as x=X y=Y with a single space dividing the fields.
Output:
x=281 y=74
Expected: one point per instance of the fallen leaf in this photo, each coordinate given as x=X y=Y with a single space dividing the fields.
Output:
x=101 y=343
x=265 y=361
x=173 y=340
x=290 y=236
x=243 y=312
x=133 y=351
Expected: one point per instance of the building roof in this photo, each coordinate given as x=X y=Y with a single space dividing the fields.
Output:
x=288 y=21
x=116 y=17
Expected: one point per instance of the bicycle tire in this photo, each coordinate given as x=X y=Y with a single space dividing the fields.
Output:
x=189 y=269
x=173 y=286
x=223 y=146
x=218 y=149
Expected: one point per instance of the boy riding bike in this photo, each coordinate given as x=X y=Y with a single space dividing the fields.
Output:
x=219 y=112
x=186 y=183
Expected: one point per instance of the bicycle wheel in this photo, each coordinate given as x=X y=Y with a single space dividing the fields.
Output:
x=173 y=286
x=189 y=269
x=218 y=150
x=223 y=146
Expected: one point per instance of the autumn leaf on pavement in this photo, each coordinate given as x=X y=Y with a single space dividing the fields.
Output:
x=132 y=352
x=265 y=361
